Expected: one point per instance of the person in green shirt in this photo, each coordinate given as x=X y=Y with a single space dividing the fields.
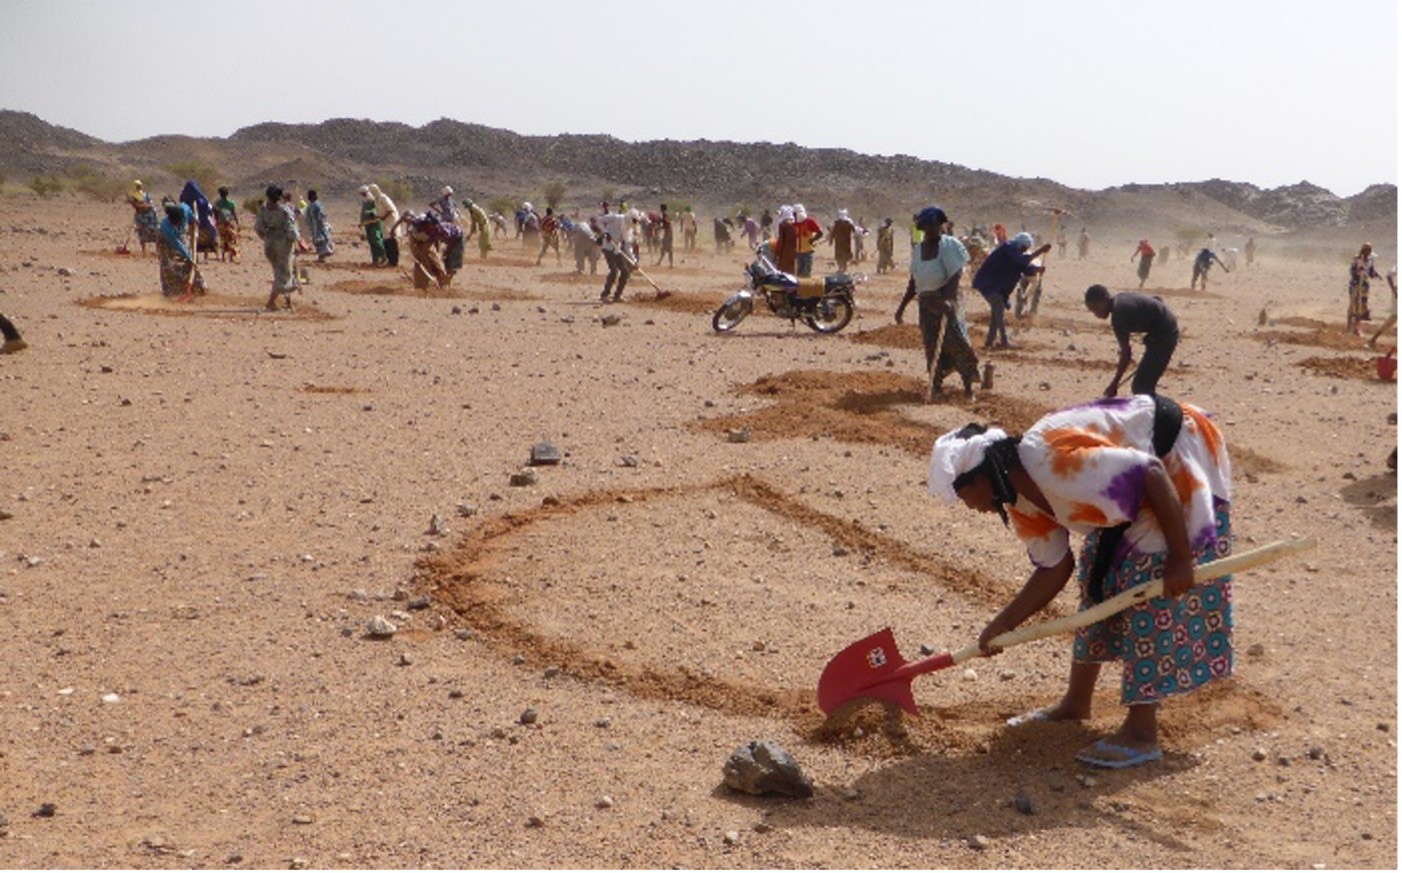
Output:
x=226 y=217
x=374 y=230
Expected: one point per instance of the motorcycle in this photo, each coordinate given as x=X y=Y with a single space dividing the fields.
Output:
x=825 y=304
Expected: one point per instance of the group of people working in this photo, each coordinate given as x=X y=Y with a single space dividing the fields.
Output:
x=1146 y=480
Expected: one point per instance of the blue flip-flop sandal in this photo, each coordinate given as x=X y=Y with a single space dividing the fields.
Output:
x=1113 y=756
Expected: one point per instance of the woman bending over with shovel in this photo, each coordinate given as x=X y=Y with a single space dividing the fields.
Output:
x=1147 y=482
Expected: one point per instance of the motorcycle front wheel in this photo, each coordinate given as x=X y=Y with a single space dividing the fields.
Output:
x=731 y=313
x=830 y=315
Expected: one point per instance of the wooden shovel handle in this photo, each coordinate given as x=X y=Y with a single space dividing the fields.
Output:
x=1125 y=599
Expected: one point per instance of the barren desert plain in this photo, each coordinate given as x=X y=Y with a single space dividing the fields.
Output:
x=204 y=505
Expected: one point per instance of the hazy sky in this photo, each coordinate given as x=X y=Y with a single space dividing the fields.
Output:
x=1092 y=93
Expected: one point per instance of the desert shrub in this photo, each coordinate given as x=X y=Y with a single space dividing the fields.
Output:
x=504 y=205
x=46 y=186
x=399 y=190
x=206 y=175
x=253 y=204
x=554 y=193
x=88 y=180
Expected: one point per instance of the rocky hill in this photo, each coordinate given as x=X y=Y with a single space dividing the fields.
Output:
x=339 y=154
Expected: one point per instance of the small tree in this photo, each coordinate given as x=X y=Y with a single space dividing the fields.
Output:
x=205 y=175
x=554 y=193
x=504 y=205
x=252 y=205
x=46 y=186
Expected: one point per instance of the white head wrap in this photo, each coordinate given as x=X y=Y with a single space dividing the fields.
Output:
x=842 y=214
x=447 y=190
x=799 y=213
x=527 y=206
x=1024 y=240
x=785 y=213
x=953 y=456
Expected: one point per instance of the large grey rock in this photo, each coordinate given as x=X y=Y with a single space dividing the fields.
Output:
x=764 y=767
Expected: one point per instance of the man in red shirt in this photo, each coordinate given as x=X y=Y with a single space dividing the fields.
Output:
x=549 y=236
x=808 y=232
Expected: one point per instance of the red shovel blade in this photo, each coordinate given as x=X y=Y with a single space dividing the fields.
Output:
x=873 y=668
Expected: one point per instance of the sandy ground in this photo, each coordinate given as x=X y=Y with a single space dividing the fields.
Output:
x=207 y=504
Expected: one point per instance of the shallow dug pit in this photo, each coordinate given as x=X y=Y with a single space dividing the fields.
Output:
x=388 y=287
x=1361 y=369
x=204 y=306
x=1318 y=337
x=703 y=614
x=860 y=407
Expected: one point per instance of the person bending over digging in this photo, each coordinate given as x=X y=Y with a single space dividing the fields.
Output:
x=1147 y=482
x=1137 y=313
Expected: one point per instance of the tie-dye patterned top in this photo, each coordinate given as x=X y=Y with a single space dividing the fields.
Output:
x=1091 y=461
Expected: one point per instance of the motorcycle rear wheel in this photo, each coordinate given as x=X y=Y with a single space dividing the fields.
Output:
x=731 y=313
x=830 y=315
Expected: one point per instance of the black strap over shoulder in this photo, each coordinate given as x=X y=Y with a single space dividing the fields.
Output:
x=1168 y=423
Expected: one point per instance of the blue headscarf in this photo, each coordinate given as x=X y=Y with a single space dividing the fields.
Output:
x=192 y=196
x=174 y=234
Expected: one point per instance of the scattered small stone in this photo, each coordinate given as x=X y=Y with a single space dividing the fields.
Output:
x=523 y=478
x=1256 y=650
x=732 y=837
x=611 y=319
x=529 y=717
x=1258 y=755
x=603 y=722
x=467 y=510
x=436 y=528
x=496 y=307
x=851 y=793
x=604 y=802
x=457 y=310
x=839 y=552
x=628 y=461
x=299 y=864
x=926 y=650
x=1087 y=781
x=302 y=819
x=463 y=634
x=550 y=500
x=359 y=595
x=65 y=271
x=551 y=672
x=1384 y=726
x=518 y=660
x=46 y=810
x=764 y=767
x=544 y=453
x=1023 y=803
x=969 y=675
x=111 y=697
x=1045 y=386
x=422 y=601
x=455 y=694
x=1283 y=760
x=1316 y=752
x=406 y=659
x=535 y=821
x=709 y=404
x=978 y=842
x=738 y=435
x=381 y=627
